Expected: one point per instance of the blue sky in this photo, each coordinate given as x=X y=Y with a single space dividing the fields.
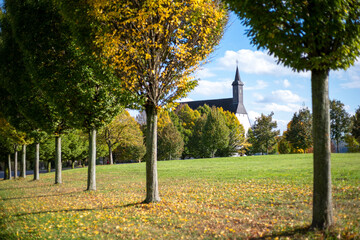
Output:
x=268 y=87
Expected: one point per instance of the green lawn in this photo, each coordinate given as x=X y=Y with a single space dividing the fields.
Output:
x=259 y=197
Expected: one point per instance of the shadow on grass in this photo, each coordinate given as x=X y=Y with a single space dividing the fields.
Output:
x=78 y=210
x=40 y=196
x=291 y=233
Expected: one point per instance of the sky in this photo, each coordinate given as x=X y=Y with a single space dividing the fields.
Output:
x=268 y=87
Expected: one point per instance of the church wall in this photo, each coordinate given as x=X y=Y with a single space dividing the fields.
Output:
x=244 y=120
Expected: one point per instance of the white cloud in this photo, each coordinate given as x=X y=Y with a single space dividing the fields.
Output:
x=185 y=100
x=286 y=83
x=260 y=84
x=209 y=88
x=275 y=107
x=204 y=73
x=278 y=96
x=256 y=62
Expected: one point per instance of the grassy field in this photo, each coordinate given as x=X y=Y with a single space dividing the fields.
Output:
x=260 y=197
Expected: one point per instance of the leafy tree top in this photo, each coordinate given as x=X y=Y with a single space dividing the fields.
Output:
x=304 y=35
x=154 y=46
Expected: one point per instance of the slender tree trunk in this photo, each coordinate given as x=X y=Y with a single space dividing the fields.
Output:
x=92 y=161
x=23 y=161
x=152 y=188
x=9 y=167
x=58 y=165
x=16 y=164
x=37 y=161
x=322 y=199
x=110 y=154
x=337 y=146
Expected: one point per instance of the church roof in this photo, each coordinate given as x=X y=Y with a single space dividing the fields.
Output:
x=226 y=103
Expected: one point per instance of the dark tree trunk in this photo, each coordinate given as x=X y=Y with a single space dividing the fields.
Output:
x=36 y=161
x=8 y=176
x=337 y=146
x=16 y=164
x=91 y=184
x=23 y=161
x=322 y=199
x=152 y=188
x=110 y=154
x=58 y=165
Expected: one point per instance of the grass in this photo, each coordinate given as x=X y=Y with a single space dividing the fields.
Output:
x=260 y=197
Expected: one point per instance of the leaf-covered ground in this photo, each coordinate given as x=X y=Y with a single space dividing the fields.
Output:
x=260 y=197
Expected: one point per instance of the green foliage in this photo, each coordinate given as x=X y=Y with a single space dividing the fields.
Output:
x=170 y=143
x=352 y=143
x=299 y=131
x=283 y=146
x=304 y=35
x=263 y=137
x=339 y=121
x=355 y=129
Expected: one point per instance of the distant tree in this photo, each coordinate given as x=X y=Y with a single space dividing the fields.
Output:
x=123 y=130
x=339 y=121
x=170 y=142
x=215 y=133
x=352 y=144
x=300 y=129
x=236 y=136
x=355 y=129
x=187 y=121
x=312 y=35
x=263 y=138
x=196 y=146
x=283 y=146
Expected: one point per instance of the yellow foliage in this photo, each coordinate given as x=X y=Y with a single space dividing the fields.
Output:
x=155 y=46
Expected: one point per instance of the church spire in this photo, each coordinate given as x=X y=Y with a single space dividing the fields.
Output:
x=237 y=88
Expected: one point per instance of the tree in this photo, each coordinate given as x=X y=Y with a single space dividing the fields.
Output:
x=237 y=141
x=188 y=119
x=78 y=85
x=263 y=136
x=154 y=46
x=215 y=133
x=339 y=121
x=355 y=129
x=299 y=130
x=312 y=35
x=170 y=142
x=283 y=145
x=123 y=130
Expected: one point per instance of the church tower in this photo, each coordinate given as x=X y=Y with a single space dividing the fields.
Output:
x=238 y=101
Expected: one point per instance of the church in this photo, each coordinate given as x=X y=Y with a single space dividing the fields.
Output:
x=234 y=104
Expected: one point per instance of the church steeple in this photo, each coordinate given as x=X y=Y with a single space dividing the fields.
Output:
x=237 y=88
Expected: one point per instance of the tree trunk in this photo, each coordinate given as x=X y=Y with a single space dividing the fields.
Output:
x=152 y=188
x=322 y=199
x=9 y=167
x=37 y=160
x=23 y=161
x=110 y=154
x=16 y=165
x=92 y=161
x=58 y=165
x=337 y=146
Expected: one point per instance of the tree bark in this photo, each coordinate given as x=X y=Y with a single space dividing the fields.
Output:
x=58 y=165
x=322 y=198
x=16 y=164
x=23 y=161
x=110 y=154
x=152 y=188
x=9 y=167
x=337 y=146
x=36 y=162
x=91 y=184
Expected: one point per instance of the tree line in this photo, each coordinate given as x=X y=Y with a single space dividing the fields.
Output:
x=66 y=64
